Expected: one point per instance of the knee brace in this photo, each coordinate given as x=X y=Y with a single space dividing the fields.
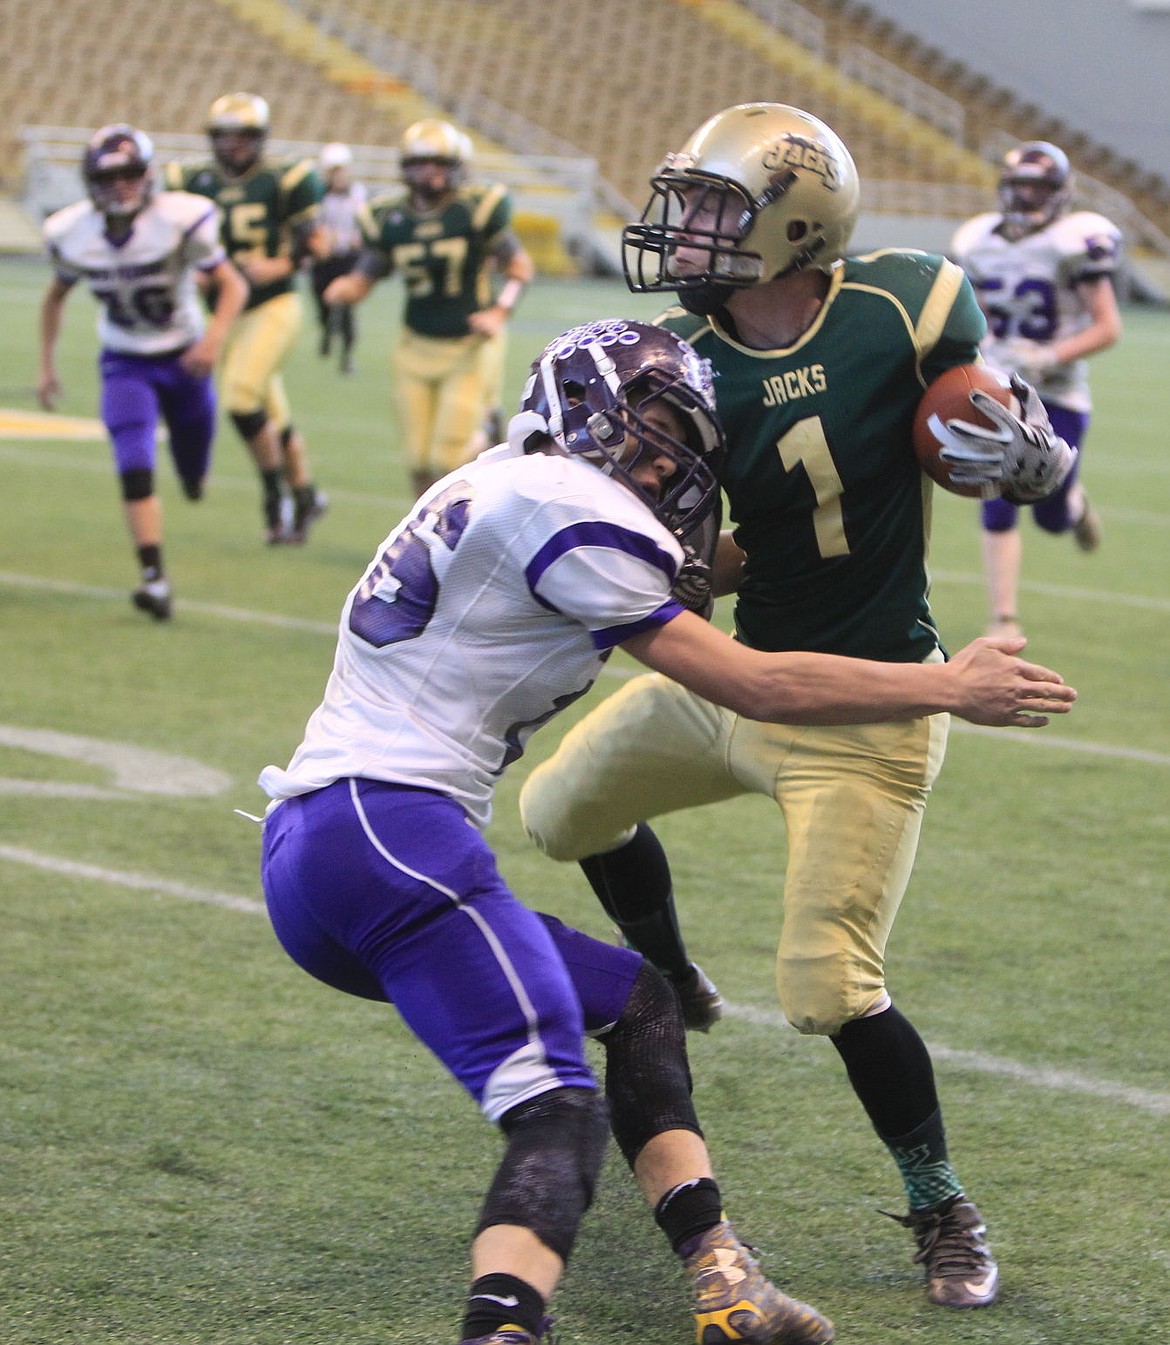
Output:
x=137 y=484
x=545 y=1181
x=647 y=1075
x=249 y=423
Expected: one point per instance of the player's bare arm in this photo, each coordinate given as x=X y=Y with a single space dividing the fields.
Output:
x=231 y=296
x=52 y=306
x=983 y=683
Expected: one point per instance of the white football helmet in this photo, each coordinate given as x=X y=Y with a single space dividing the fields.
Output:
x=758 y=191
x=1035 y=187
x=335 y=155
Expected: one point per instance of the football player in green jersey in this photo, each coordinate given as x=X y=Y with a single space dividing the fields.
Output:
x=447 y=239
x=268 y=217
x=820 y=360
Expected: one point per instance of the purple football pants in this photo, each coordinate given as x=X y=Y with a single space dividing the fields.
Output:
x=1053 y=513
x=136 y=391
x=390 y=893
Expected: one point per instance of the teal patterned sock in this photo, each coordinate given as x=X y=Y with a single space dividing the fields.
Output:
x=922 y=1160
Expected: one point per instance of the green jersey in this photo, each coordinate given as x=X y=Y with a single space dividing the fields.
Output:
x=825 y=494
x=444 y=257
x=261 y=211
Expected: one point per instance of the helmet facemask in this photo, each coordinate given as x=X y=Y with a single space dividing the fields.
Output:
x=238 y=126
x=579 y=397
x=759 y=191
x=705 y=219
x=118 y=168
x=1034 y=189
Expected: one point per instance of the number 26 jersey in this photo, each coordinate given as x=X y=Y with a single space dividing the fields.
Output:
x=145 y=282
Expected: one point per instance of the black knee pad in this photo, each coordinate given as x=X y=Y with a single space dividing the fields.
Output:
x=647 y=1074
x=249 y=423
x=545 y=1181
x=137 y=484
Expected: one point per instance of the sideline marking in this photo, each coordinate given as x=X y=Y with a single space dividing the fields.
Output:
x=139 y=882
x=1058 y=1080
x=16 y=424
x=1037 y=737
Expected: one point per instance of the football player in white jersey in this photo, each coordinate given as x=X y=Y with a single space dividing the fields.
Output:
x=1044 y=277
x=140 y=251
x=490 y=608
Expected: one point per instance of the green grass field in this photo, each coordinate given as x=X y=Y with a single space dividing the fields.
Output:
x=202 y=1146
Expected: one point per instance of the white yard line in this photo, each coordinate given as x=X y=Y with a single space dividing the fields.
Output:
x=245 y=616
x=1033 y=1076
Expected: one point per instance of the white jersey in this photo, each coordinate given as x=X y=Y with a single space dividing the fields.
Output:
x=1029 y=290
x=488 y=610
x=145 y=282
x=339 y=212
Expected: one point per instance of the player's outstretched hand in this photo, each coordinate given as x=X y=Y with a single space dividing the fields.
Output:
x=1002 y=690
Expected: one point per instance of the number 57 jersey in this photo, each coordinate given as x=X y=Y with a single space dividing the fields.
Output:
x=146 y=281
x=487 y=611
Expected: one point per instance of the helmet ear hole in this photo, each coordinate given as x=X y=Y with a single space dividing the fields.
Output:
x=797 y=230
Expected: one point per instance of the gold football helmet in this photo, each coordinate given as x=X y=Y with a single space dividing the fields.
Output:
x=758 y=191
x=430 y=142
x=237 y=124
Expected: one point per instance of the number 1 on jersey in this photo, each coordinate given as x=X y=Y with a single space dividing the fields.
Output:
x=805 y=446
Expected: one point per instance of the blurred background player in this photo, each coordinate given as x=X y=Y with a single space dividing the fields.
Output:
x=449 y=241
x=268 y=212
x=1044 y=278
x=336 y=249
x=820 y=361
x=140 y=251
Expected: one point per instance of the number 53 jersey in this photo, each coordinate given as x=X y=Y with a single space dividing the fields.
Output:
x=487 y=611
x=145 y=282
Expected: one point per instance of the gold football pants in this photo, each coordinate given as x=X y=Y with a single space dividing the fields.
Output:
x=443 y=391
x=852 y=798
x=257 y=346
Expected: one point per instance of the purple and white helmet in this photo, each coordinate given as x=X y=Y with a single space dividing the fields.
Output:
x=588 y=391
x=118 y=152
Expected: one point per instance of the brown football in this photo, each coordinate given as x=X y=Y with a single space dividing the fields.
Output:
x=948 y=398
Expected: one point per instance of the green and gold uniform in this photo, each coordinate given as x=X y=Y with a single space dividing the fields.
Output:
x=264 y=210
x=446 y=379
x=825 y=493
x=833 y=511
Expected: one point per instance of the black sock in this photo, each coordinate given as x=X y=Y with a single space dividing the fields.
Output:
x=633 y=884
x=502 y=1300
x=273 y=482
x=150 y=558
x=890 y=1070
x=687 y=1210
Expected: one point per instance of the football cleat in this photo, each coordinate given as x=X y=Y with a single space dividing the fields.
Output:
x=1087 y=528
x=310 y=506
x=154 y=598
x=734 y=1301
x=510 y=1334
x=952 y=1247
x=702 y=1004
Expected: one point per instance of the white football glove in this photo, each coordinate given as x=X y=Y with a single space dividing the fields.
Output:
x=1023 y=455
